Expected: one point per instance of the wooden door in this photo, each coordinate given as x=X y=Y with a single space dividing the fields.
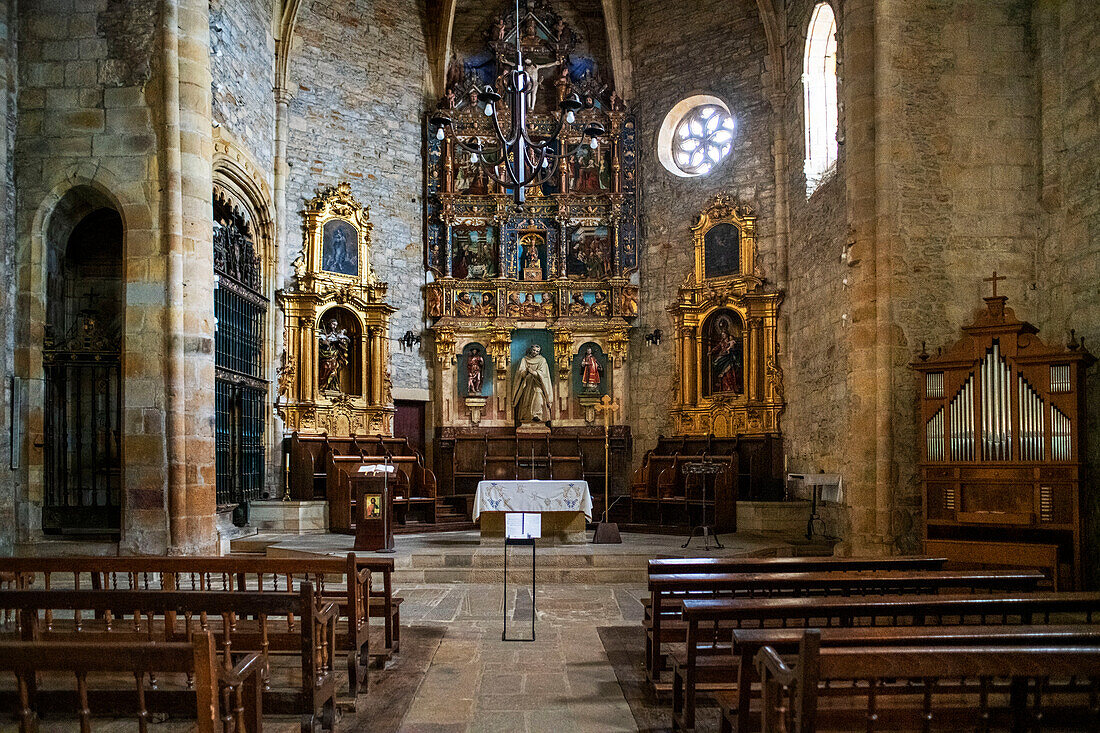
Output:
x=408 y=422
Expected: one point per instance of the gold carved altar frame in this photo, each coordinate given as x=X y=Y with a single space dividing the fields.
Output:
x=756 y=408
x=348 y=287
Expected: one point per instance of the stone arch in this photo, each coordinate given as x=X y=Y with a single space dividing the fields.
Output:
x=72 y=193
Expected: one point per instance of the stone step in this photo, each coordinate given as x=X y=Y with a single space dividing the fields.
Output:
x=521 y=576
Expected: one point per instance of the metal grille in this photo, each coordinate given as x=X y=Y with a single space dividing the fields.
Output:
x=240 y=392
x=83 y=467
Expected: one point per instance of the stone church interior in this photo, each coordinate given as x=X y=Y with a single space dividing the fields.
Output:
x=545 y=365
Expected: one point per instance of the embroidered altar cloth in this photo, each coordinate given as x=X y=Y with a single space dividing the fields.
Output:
x=533 y=496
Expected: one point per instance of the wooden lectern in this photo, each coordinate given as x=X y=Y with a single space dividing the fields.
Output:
x=374 y=520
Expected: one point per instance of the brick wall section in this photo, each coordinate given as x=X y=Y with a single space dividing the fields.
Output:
x=358 y=72
x=680 y=49
x=242 y=60
x=816 y=359
x=1069 y=243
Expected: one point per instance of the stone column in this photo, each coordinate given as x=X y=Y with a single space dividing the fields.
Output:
x=192 y=498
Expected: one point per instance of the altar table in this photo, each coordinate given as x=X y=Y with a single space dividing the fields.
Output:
x=564 y=506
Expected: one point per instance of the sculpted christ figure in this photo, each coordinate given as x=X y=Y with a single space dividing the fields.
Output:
x=532 y=388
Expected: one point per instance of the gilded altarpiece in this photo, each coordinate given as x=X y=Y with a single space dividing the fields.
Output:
x=730 y=383
x=557 y=272
x=335 y=378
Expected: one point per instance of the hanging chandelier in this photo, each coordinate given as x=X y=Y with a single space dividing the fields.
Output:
x=528 y=159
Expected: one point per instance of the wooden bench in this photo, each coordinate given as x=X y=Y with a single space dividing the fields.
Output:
x=242 y=622
x=724 y=615
x=843 y=582
x=221 y=699
x=231 y=574
x=384 y=605
x=901 y=687
x=732 y=679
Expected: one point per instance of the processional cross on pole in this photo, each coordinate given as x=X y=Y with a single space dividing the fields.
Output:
x=605 y=532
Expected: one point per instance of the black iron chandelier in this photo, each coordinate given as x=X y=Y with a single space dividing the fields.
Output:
x=528 y=159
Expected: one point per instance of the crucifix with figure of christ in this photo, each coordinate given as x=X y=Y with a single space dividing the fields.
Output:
x=606 y=532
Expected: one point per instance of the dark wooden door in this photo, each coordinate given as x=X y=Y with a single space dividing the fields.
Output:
x=408 y=422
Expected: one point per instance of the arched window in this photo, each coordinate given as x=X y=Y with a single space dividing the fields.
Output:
x=819 y=83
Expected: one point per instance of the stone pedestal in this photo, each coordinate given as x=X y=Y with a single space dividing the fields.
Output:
x=558 y=528
x=290 y=517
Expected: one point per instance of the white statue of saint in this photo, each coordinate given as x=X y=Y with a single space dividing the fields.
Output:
x=532 y=388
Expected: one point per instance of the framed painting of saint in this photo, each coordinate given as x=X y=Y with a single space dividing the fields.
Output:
x=473 y=252
x=588 y=255
x=723 y=343
x=340 y=248
x=590 y=170
x=470 y=178
x=722 y=251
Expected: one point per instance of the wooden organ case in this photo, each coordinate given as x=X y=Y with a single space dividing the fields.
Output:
x=1003 y=427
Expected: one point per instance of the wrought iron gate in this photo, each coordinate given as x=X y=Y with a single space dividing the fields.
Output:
x=240 y=392
x=83 y=429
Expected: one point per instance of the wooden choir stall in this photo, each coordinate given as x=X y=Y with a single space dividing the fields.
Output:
x=1002 y=415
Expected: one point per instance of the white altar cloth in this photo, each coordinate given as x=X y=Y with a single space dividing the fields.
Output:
x=533 y=496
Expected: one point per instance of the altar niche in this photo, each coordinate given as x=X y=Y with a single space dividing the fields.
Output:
x=335 y=374
x=730 y=380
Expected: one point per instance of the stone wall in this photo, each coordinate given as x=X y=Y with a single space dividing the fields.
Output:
x=817 y=303
x=358 y=73
x=1068 y=276
x=681 y=49
x=85 y=121
x=243 y=65
x=8 y=70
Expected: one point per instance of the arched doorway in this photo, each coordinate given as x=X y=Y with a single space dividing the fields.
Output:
x=240 y=312
x=82 y=364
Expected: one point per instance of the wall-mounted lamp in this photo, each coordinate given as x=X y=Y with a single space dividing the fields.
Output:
x=409 y=340
x=654 y=339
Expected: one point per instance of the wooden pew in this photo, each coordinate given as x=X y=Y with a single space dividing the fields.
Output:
x=221 y=699
x=723 y=615
x=736 y=676
x=844 y=582
x=1013 y=687
x=384 y=605
x=242 y=622
x=239 y=574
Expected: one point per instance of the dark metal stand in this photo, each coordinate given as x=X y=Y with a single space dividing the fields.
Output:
x=507 y=542
x=702 y=469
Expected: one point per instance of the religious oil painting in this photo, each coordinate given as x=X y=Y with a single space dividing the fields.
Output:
x=723 y=344
x=340 y=248
x=722 y=251
x=590 y=170
x=589 y=253
x=591 y=376
x=470 y=177
x=475 y=372
x=473 y=252
x=372 y=506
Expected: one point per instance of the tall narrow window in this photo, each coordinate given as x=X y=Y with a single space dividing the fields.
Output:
x=819 y=83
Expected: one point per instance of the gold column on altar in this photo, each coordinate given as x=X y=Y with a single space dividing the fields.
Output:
x=726 y=323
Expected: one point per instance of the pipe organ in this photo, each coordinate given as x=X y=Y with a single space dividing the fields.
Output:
x=1003 y=417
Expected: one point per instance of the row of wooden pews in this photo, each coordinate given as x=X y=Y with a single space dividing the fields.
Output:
x=720 y=626
x=281 y=630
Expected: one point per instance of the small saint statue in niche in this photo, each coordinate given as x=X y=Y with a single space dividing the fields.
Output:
x=532 y=265
x=590 y=372
x=334 y=345
x=532 y=388
x=474 y=364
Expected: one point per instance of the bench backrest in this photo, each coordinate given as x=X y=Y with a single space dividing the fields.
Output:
x=911 y=676
x=843 y=582
x=212 y=681
x=664 y=566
